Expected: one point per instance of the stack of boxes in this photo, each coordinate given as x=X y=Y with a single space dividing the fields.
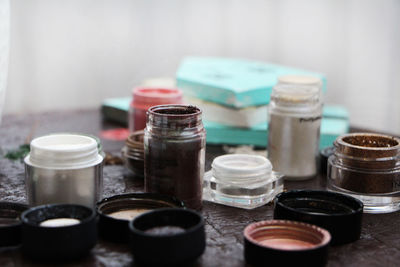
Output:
x=234 y=96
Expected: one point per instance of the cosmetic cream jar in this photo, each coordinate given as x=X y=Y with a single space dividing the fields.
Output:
x=243 y=181
x=64 y=168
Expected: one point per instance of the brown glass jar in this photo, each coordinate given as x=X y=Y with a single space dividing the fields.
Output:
x=174 y=143
x=367 y=166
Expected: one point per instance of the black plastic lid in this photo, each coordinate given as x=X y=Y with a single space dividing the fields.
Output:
x=285 y=243
x=116 y=229
x=155 y=240
x=10 y=223
x=338 y=213
x=60 y=243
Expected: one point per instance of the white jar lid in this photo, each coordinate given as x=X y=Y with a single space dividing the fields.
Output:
x=300 y=80
x=238 y=166
x=63 y=151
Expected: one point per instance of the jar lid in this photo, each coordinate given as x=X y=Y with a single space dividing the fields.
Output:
x=234 y=167
x=115 y=212
x=288 y=243
x=167 y=237
x=63 y=151
x=145 y=97
x=300 y=80
x=297 y=90
x=338 y=213
x=58 y=232
x=10 y=223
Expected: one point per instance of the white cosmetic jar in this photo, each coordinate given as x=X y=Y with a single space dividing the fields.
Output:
x=241 y=180
x=64 y=168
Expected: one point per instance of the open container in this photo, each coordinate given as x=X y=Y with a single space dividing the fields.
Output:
x=340 y=214
x=58 y=232
x=167 y=237
x=285 y=243
x=241 y=180
x=10 y=223
x=367 y=166
x=115 y=212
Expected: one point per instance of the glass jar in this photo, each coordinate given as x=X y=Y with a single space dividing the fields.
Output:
x=241 y=180
x=295 y=113
x=146 y=97
x=367 y=166
x=174 y=143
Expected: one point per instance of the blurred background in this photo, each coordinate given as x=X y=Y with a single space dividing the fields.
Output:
x=73 y=54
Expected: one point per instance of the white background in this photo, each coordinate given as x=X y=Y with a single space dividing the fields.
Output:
x=73 y=54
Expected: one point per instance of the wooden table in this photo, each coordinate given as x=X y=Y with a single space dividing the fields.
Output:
x=379 y=244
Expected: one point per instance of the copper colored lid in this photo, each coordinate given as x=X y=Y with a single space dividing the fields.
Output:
x=287 y=242
x=286 y=235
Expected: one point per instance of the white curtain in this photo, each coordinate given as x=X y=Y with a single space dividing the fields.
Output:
x=4 y=46
x=73 y=54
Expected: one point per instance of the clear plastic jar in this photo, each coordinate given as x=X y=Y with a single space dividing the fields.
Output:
x=367 y=166
x=295 y=113
x=174 y=143
x=146 y=97
x=241 y=180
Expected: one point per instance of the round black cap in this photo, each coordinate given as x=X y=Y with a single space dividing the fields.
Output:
x=10 y=223
x=338 y=213
x=61 y=243
x=167 y=237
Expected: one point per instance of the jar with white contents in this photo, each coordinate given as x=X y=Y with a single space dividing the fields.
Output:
x=295 y=113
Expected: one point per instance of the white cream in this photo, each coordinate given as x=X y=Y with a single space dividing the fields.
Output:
x=59 y=222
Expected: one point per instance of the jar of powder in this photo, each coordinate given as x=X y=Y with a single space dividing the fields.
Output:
x=174 y=143
x=295 y=113
x=64 y=168
x=146 y=97
x=367 y=166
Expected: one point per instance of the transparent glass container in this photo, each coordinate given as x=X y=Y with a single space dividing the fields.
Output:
x=367 y=166
x=174 y=153
x=241 y=180
x=295 y=113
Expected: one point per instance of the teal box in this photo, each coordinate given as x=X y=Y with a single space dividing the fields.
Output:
x=334 y=123
x=236 y=83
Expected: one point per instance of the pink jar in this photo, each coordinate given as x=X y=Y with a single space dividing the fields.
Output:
x=146 y=97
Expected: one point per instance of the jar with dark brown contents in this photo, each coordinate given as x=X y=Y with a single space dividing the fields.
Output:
x=367 y=166
x=174 y=142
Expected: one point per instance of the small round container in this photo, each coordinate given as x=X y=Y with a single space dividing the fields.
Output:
x=243 y=181
x=133 y=153
x=167 y=237
x=64 y=168
x=115 y=212
x=367 y=166
x=286 y=243
x=68 y=241
x=340 y=214
x=146 y=97
x=295 y=113
x=10 y=223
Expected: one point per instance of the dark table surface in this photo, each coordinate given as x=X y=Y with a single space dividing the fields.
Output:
x=380 y=238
